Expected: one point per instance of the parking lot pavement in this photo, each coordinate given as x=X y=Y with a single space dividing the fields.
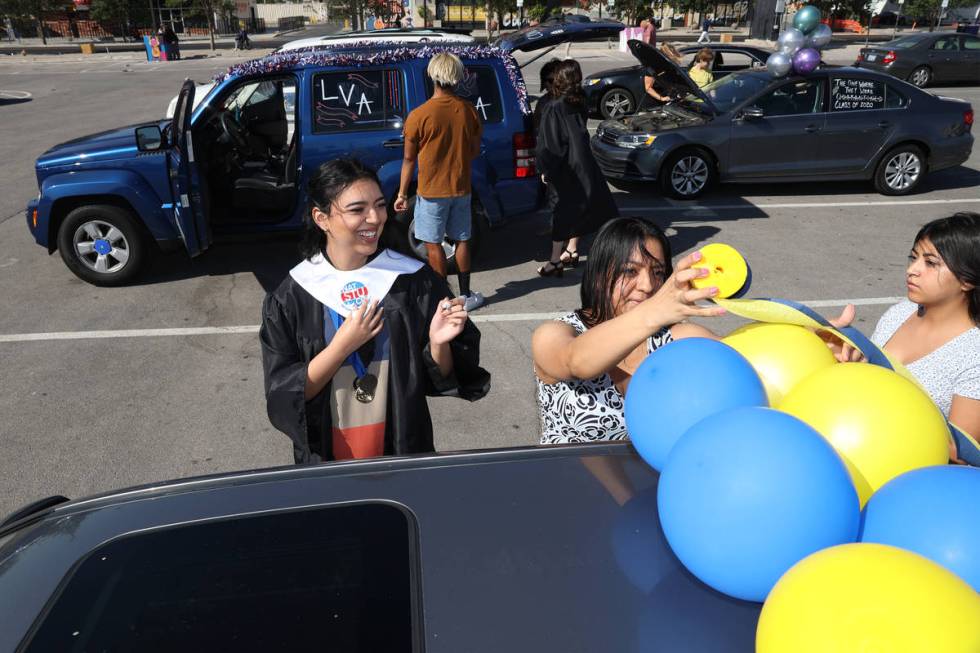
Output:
x=162 y=379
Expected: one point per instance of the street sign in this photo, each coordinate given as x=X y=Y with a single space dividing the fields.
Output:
x=520 y=3
x=780 y=6
x=944 y=4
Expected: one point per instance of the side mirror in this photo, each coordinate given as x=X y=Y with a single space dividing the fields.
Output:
x=149 y=139
x=752 y=113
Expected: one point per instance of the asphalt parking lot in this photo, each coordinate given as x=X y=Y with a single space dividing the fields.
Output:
x=163 y=379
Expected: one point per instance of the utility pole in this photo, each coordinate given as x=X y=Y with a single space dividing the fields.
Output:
x=898 y=17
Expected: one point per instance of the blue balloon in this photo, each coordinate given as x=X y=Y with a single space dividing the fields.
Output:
x=807 y=19
x=639 y=545
x=933 y=511
x=748 y=493
x=679 y=385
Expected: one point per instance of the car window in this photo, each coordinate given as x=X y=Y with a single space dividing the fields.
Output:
x=947 y=43
x=728 y=92
x=894 y=99
x=856 y=94
x=480 y=87
x=904 y=42
x=734 y=60
x=358 y=99
x=795 y=98
x=971 y=43
x=336 y=578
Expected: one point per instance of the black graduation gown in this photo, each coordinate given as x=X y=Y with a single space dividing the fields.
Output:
x=292 y=334
x=578 y=193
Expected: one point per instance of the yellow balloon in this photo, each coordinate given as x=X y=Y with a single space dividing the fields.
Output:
x=881 y=424
x=727 y=269
x=869 y=598
x=782 y=354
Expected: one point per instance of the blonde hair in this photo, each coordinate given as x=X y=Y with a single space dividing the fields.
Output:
x=670 y=52
x=445 y=70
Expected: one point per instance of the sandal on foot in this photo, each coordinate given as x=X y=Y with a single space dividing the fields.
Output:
x=569 y=258
x=557 y=269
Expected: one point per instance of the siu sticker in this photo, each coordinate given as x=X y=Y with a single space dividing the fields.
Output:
x=353 y=294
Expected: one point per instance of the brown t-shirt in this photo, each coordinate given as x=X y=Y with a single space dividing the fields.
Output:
x=447 y=132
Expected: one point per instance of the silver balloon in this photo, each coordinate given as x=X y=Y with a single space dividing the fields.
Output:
x=819 y=37
x=791 y=40
x=779 y=64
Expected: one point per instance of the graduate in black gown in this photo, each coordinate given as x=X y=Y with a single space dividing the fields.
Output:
x=577 y=189
x=358 y=335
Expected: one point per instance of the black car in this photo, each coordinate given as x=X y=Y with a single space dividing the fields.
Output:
x=836 y=123
x=926 y=58
x=536 y=549
x=618 y=92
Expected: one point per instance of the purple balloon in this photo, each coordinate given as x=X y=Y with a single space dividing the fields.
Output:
x=806 y=61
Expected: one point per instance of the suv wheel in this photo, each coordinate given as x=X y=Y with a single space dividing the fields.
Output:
x=102 y=244
x=615 y=103
x=921 y=76
x=687 y=174
x=448 y=245
x=900 y=171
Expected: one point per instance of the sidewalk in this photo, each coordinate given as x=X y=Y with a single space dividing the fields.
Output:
x=195 y=43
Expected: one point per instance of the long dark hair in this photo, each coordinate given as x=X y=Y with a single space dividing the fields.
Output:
x=329 y=181
x=567 y=83
x=548 y=75
x=957 y=239
x=608 y=257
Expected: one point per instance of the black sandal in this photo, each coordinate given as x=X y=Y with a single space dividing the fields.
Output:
x=572 y=260
x=557 y=269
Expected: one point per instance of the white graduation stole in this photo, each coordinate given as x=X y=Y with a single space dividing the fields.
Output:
x=345 y=291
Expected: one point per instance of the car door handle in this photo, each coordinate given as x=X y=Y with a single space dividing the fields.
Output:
x=884 y=124
x=393 y=143
x=811 y=129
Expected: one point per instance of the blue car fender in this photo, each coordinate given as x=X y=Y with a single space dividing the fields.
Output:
x=96 y=185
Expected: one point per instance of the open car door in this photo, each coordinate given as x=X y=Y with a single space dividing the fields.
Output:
x=190 y=214
x=556 y=31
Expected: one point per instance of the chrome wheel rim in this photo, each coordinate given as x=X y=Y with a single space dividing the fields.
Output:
x=101 y=247
x=689 y=175
x=448 y=246
x=617 y=104
x=920 y=77
x=902 y=171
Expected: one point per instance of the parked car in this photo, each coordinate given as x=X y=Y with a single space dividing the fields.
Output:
x=394 y=34
x=836 y=123
x=619 y=92
x=926 y=58
x=537 y=549
x=239 y=161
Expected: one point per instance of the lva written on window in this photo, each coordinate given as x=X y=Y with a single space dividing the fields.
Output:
x=356 y=100
x=853 y=94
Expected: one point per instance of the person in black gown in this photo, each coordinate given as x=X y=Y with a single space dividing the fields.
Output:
x=358 y=335
x=577 y=190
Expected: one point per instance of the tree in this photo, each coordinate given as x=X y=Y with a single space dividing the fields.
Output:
x=202 y=8
x=30 y=10
x=121 y=12
x=930 y=10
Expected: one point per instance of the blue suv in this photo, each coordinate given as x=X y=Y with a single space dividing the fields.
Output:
x=238 y=160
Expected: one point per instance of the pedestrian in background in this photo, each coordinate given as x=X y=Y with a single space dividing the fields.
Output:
x=578 y=193
x=705 y=26
x=649 y=25
x=443 y=137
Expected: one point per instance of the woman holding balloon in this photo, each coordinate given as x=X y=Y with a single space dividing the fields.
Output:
x=633 y=301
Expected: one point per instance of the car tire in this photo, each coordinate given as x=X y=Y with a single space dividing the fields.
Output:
x=616 y=103
x=406 y=222
x=920 y=77
x=102 y=244
x=900 y=171
x=687 y=174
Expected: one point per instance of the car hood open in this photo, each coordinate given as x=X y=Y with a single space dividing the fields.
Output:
x=668 y=74
x=556 y=31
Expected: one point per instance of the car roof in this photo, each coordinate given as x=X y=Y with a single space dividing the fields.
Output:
x=561 y=544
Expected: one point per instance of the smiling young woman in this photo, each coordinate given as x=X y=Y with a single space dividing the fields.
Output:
x=358 y=332
x=633 y=301
x=934 y=332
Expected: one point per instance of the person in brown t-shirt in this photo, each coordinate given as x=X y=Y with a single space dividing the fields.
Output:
x=443 y=136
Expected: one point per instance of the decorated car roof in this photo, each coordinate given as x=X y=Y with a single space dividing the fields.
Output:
x=374 y=54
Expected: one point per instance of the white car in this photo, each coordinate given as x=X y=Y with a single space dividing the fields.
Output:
x=406 y=35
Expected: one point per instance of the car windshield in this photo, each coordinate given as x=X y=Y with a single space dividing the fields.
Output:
x=728 y=92
x=904 y=42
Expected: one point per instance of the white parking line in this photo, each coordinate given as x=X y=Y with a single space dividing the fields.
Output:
x=798 y=205
x=254 y=328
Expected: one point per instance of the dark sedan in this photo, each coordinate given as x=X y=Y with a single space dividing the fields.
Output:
x=550 y=549
x=924 y=59
x=618 y=92
x=833 y=124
